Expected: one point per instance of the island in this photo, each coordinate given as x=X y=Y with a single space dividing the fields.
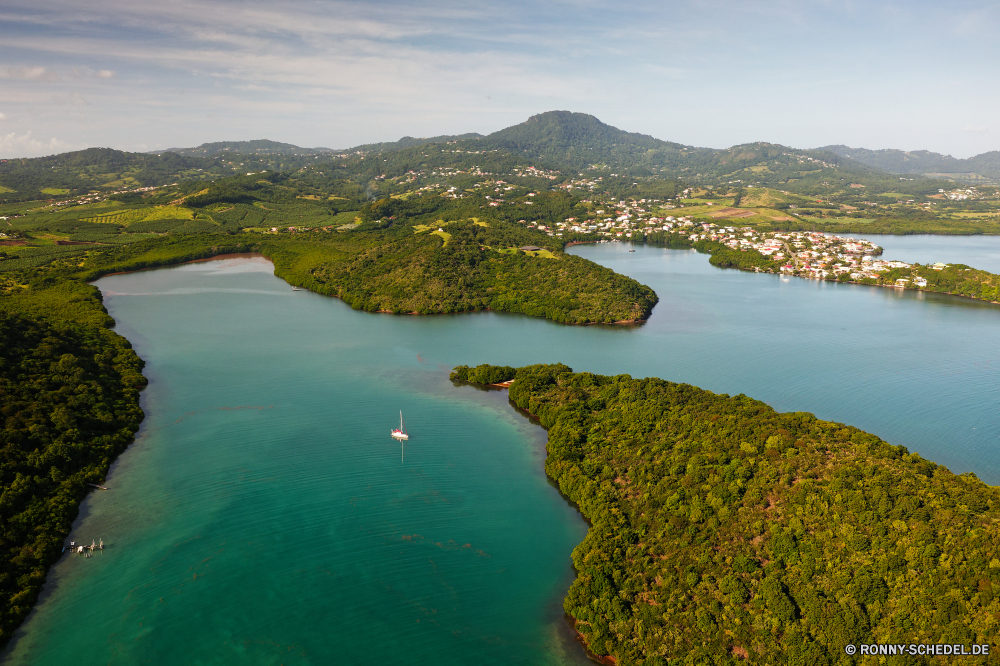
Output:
x=722 y=530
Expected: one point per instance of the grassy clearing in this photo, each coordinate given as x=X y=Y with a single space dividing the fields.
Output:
x=443 y=234
x=348 y=217
x=55 y=191
x=544 y=254
x=168 y=213
x=974 y=215
x=4 y=190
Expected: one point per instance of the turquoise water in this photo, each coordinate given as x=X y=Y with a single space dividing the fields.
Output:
x=264 y=514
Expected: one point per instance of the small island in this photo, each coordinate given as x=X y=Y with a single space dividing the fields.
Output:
x=724 y=531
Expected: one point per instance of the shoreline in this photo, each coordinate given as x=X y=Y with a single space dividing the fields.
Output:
x=217 y=257
x=250 y=255
x=849 y=282
x=571 y=621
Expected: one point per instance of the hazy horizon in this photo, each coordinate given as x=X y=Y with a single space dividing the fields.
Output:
x=343 y=73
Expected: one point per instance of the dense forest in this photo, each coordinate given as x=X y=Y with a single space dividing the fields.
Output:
x=70 y=405
x=724 y=531
x=414 y=273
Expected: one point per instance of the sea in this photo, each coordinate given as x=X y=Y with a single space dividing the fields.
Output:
x=264 y=514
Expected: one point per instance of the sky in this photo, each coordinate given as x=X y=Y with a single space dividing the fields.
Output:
x=914 y=75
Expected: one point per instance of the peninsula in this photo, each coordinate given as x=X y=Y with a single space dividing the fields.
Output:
x=722 y=529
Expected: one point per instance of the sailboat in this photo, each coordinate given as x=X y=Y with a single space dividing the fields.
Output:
x=400 y=432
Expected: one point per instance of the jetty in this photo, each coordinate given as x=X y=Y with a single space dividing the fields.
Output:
x=86 y=551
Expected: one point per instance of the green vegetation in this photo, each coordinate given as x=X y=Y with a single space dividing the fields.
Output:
x=723 y=530
x=70 y=406
x=416 y=273
x=957 y=279
x=70 y=385
x=362 y=225
x=484 y=374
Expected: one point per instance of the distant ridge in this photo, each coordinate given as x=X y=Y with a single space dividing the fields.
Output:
x=563 y=141
x=410 y=142
x=255 y=147
x=268 y=147
x=924 y=162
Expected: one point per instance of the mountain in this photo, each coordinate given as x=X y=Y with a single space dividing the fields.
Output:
x=924 y=162
x=560 y=141
x=410 y=142
x=256 y=147
x=581 y=141
x=268 y=147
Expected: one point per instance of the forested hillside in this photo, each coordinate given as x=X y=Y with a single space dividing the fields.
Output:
x=70 y=405
x=723 y=531
x=95 y=168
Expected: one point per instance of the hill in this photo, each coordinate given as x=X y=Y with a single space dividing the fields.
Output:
x=723 y=531
x=983 y=166
x=256 y=147
x=580 y=141
x=547 y=151
x=93 y=169
x=268 y=147
x=410 y=142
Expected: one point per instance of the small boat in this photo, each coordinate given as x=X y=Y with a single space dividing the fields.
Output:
x=296 y=289
x=400 y=432
x=631 y=250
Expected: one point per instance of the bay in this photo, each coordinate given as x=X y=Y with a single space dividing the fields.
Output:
x=982 y=252
x=265 y=515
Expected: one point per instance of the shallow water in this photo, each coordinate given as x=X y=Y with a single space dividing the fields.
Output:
x=264 y=514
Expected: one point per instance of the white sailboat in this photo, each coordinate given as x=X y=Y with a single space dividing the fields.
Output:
x=400 y=432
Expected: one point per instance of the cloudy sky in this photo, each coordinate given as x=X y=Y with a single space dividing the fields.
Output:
x=175 y=73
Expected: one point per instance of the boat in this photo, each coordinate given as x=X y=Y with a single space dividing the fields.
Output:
x=400 y=432
x=631 y=250
x=296 y=289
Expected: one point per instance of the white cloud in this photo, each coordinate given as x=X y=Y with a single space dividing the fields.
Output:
x=36 y=73
x=23 y=145
x=2 y=117
x=106 y=74
x=976 y=130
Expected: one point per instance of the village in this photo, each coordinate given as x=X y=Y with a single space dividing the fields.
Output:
x=807 y=254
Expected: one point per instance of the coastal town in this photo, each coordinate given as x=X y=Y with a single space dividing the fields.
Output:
x=809 y=254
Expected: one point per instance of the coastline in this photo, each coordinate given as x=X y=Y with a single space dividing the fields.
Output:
x=850 y=282
x=217 y=257
x=571 y=621
x=558 y=394
x=254 y=254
